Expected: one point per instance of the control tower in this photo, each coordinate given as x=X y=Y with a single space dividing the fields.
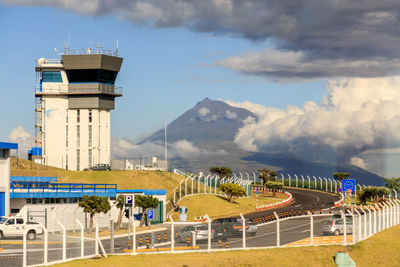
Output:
x=73 y=99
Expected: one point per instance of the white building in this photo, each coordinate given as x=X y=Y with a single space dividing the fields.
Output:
x=74 y=96
x=141 y=164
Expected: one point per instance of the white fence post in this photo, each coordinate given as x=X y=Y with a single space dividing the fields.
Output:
x=386 y=215
x=243 y=230
x=96 y=246
x=64 y=241
x=192 y=183
x=297 y=185
x=369 y=222
x=359 y=224
x=278 y=237
x=311 y=229
x=45 y=243
x=82 y=239
x=309 y=182
x=134 y=239
x=382 y=219
x=326 y=185
x=330 y=183
x=374 y=231
x=365 y=222
x=320 y=181
x=302 y=181
x=24 y=252
x=172 y=234
x=315 y=182
x=344 y=228
x=352 y=228
x=335 y=186
x=283 y=179
x=209 y=233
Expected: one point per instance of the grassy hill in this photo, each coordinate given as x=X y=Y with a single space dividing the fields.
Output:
x=123 y=179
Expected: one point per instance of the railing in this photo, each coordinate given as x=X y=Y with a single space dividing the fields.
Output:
x=50 y=61
x=57 y=89
x=37 y=187
x=91 y=51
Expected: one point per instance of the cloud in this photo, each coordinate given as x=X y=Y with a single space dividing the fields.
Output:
x=305 y=34
x=24 y=139
x=231 y=115
x=359 y=162
x=122 y=147
x=355 y=116
x=203 y=112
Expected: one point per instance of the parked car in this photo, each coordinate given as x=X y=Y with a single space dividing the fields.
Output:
x=201 y=233
x=234 y=226
x=335 y=226
x=15 y=226
x=99 y=167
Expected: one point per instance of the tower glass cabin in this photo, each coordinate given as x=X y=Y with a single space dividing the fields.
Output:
x=73 y=99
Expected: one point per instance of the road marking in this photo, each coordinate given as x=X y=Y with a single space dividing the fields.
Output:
x=30 y=243
x=322 y=240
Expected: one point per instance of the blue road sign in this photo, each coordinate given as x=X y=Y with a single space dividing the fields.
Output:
x=128 y=200
x=349 y=184
x=150 y=214
x=257 y=191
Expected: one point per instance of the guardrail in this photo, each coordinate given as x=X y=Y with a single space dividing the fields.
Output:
x=67 y=89
x=278 y=204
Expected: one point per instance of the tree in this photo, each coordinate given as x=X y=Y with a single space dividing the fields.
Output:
x=120 y=203
x=393 y=183
x=94 y=204
x=339 y=176
x=222 y=172
x=267 y=175
x=372 y=193
x=233 y=191
x=274 y=186
x=145 y=202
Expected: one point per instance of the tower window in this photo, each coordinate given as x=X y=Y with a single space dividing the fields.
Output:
x=78 y=159
x=51 y=77
x=90 y=157
x=78 y=116
x=90 y=135
x=78 y=135
x=90 y=116
x=66 y=135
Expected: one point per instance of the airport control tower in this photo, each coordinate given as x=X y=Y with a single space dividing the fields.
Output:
x=73 y=99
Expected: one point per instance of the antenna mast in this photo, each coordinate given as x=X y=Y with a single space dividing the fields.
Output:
x=165 y=145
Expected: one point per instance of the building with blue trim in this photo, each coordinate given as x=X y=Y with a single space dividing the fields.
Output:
x=46 y=200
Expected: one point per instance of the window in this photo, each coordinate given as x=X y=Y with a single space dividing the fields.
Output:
x=92 y=76
x=90 y=135
x=78 y=135
x=20 y=221
x=51 y=77
x=66 y=115
x=28 y=201
x=90 y=157
x=66 y=161
x=78 y=116
x=78 y=159
x=90 y=116
x=66 y=135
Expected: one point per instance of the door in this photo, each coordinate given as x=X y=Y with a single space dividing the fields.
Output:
x=2 y=204
x=10 y=227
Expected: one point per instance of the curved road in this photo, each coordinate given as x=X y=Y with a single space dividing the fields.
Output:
x=302 y=199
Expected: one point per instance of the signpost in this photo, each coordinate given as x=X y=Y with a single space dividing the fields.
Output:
x=129 y=203
x=150 y=216
x=349 y=185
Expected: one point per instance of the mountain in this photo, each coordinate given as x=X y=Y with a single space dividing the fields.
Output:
x=211 y=125
x=208 y=120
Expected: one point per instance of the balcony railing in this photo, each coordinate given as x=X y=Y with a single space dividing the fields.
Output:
x=66 y=89
x=38 y=187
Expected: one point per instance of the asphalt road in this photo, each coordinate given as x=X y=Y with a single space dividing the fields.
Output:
x=291 y=230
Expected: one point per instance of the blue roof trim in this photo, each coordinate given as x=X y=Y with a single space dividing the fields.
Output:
x=144 y=191
x=32 y=179
x=61 y=194
x=5 y=145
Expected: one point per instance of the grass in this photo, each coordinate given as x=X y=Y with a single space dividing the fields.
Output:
x=123 y=179
x=380 y=250
x=217 y=207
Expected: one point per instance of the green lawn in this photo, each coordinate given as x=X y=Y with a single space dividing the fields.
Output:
x=380 y=250
x=217 y=207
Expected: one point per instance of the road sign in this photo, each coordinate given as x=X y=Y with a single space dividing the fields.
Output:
x=257 y=191
x=349 y=184
x=349 y=190
x=128 y=200
x=150 y=214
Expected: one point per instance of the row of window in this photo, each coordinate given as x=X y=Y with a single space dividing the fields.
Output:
x=81 y=76
x=56 y=200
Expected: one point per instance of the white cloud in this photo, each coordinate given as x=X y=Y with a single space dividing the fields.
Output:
x=231 y=115
x=24 y=139
x=359 y=162
x=121 y=147
x=203 y=112
x=356 y=115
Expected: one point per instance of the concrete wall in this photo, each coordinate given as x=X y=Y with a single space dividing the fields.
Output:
x=5 y=178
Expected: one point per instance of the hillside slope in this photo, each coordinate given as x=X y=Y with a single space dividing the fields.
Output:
x=123 y=179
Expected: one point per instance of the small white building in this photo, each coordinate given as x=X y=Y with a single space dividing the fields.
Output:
x=143 y=164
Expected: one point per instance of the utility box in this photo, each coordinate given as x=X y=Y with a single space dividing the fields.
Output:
x=183 y=214
x=342 y=259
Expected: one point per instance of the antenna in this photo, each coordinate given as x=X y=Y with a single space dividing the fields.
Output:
x=116 y=50
x=165 y=145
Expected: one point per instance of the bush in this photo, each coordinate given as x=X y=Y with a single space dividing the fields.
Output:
x=274 y=186
x=233 y=191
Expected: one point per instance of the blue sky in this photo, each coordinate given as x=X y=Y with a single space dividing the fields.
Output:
x=319 y=74
x=165 y=71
